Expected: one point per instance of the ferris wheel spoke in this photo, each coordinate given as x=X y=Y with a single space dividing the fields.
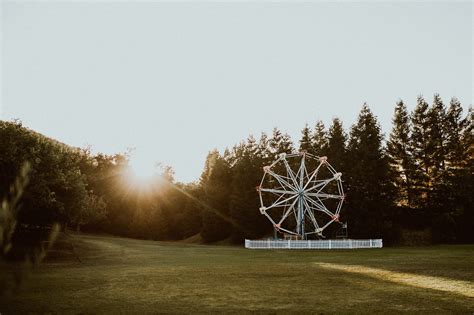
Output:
x=277 y=191
x=313 y=175
x=290 y=173
x=277 y=204
x=320 y=206
x=301 y=171
x=327 y=224
x=321 y=185
x=280 y=197
x=323 y=195
x=281 y=180
x=315 y=226
x=288 y=211
x=317 y=206
x=311 y=215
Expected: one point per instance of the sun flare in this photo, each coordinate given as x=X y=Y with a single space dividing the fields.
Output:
x=142 y=166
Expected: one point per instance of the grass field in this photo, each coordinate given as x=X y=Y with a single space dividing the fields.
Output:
x=119 y=275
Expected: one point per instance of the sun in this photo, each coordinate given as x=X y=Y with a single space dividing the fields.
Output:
x=142 y=166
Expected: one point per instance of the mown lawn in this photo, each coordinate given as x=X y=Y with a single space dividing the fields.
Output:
x=119 y=275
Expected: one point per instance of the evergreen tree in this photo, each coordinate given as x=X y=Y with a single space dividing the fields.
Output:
x=398 y=153
x=306 y=141
x=336 y=148
x=216 y=183
x=467 y=139
x=370 y=193
x=438 y=203
x=320 y=139
x=465 y=199
x=306 y=145
x=453 y=198
x=436 y=145
x=244 y=200
x=418 y=151
x=264 y=151
x=280 y=143
x=454 y=126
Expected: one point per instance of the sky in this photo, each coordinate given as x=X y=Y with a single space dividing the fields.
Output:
x=176 y=79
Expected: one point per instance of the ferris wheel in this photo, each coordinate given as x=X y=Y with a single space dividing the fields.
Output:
x=301 y=194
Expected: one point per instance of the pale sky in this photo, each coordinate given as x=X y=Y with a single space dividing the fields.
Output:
x=177 y=79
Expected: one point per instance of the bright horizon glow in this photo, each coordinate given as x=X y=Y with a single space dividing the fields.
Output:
x=178 y=79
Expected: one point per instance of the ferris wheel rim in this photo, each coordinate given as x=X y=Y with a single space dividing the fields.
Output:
x=296 y=186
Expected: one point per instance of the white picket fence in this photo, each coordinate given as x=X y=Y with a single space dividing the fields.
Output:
x=313 y=244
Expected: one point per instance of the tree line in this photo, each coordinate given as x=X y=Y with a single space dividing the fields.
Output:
x=419 y=179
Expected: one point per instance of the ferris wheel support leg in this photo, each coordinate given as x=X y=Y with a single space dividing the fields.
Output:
x=300 y=223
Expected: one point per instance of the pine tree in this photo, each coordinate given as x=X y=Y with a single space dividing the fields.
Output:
x=418 y=151
x=467 y=138
x=465 y=197
x=320 y=139
x=439 y=184
x=398 y=153
x=306 y=141
x=280 y=143
x=436 y=145
x=244 y=200
x=336 y=148
x=454 y=126
x=370 y=193
x=216 y=185
x=454 y=219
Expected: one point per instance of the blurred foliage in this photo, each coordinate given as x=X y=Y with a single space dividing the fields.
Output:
x=9 y=208
x=10 y=275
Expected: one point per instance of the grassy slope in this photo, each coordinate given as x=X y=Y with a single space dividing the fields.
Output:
x=120 y=275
